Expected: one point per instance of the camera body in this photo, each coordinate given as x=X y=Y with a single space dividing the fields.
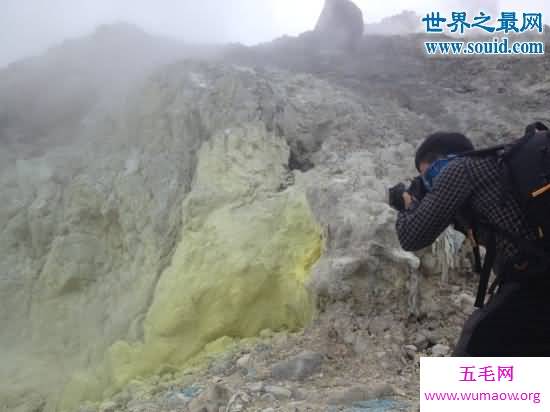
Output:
x=395 y=195
x=416 y=190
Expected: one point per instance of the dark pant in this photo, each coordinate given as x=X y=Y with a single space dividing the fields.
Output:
x=515 y=322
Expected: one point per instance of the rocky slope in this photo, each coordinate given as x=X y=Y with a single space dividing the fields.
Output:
x=48 y=100
x=228 y=198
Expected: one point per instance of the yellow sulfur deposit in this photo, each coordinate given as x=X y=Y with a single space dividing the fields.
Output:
x=246 y=249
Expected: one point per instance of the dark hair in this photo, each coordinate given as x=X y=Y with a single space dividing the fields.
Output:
x=441 y=144
x=535 y=127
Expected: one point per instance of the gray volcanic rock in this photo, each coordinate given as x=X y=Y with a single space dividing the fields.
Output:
x=298 y=367
x=340 y=25
x=457 y=94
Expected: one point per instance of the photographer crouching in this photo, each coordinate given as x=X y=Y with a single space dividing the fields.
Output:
x=475 y=192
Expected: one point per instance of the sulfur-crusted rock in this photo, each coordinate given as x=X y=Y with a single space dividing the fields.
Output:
x=240 y=267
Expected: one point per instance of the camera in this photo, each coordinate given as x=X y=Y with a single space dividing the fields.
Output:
x=417 y=189
x=395 y=195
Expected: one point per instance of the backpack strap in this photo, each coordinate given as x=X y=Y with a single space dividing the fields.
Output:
x=477 y=259
x=529 y=249
x=489 y=151
x=485 y=273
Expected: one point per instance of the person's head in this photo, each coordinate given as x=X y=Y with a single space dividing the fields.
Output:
x=536 y=127
x=439 y=145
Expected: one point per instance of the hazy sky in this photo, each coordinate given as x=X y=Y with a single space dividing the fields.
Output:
x=29 y=27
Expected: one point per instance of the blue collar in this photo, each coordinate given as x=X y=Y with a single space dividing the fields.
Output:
x=434 y=170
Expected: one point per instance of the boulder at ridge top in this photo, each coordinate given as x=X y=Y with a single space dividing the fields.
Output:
x=340 y=25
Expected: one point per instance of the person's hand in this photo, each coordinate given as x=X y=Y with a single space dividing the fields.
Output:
x=407 y=199
x=395 y=197
x=417 y=189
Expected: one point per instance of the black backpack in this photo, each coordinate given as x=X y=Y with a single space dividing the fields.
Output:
x=525 y=167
